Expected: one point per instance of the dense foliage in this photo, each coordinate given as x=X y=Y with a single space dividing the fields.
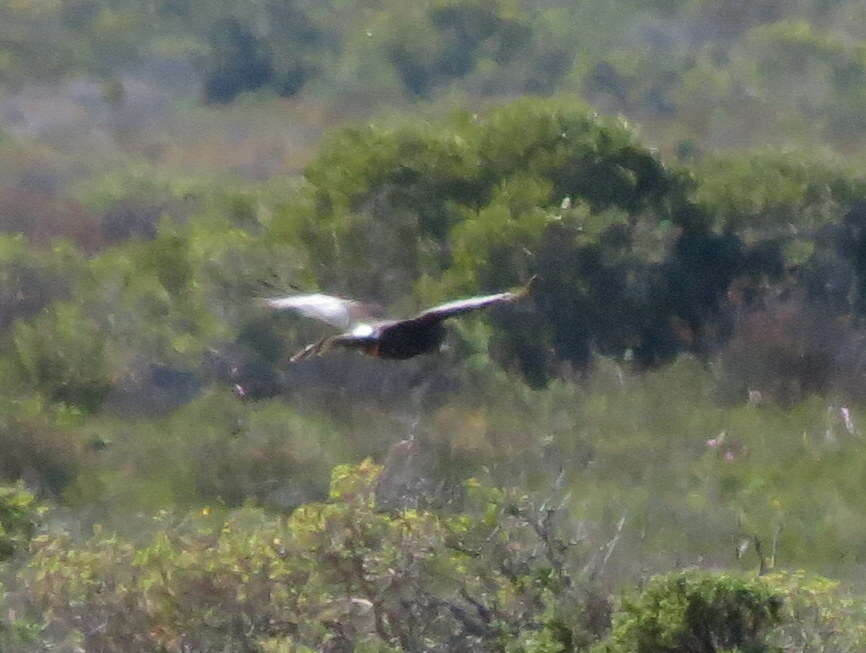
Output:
x=659 y=450
x=142 y=375
x=721 y=70
x=690 y=612
x=638 y=261
x=494 y=575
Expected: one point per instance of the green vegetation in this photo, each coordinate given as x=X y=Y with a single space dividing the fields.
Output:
x=718 y=70
x=660 y=451
x=19 y=517
x=494 y=575
x=669 y=398
x=691 y=612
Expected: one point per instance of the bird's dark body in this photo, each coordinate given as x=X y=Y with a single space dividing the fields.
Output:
x=407 y=339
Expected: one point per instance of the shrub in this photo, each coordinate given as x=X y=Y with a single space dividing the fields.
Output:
x=819 y=616
x=36 y=447
x=61 y=354
x=696 y=612
x=19 y=517
x=239 y=61
x=30 y=279
x=335 y=572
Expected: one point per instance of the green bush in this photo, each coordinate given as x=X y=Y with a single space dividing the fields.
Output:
x=19 y=517
x=239 y=61
x=40 y=444
x=61 y=354
x=696 y=612
x=30 y=279
x=220 y=450
x=818 y=614
x=336 y=570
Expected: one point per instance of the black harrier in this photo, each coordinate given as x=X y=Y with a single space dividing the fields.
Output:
x=396 y=339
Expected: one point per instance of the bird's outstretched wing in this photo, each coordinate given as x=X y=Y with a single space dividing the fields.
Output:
x=460 y=306
x=336 y=311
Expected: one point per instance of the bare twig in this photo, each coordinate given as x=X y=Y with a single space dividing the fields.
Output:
x=588 y=569
x=759 y=551
x=775 y=544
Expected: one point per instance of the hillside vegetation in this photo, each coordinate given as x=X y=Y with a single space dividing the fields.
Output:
x=660 y=451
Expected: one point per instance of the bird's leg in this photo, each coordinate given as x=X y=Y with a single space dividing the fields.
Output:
x=314 y=349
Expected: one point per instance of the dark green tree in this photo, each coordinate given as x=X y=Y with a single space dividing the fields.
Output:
x=239 y=61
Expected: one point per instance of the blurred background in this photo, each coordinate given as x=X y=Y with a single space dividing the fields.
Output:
x=684 y=390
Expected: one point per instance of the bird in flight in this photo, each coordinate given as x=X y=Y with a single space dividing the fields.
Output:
x=394 y=339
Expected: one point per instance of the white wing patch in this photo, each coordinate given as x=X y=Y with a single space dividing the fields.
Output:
x=335 y=311
x=363 y=331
